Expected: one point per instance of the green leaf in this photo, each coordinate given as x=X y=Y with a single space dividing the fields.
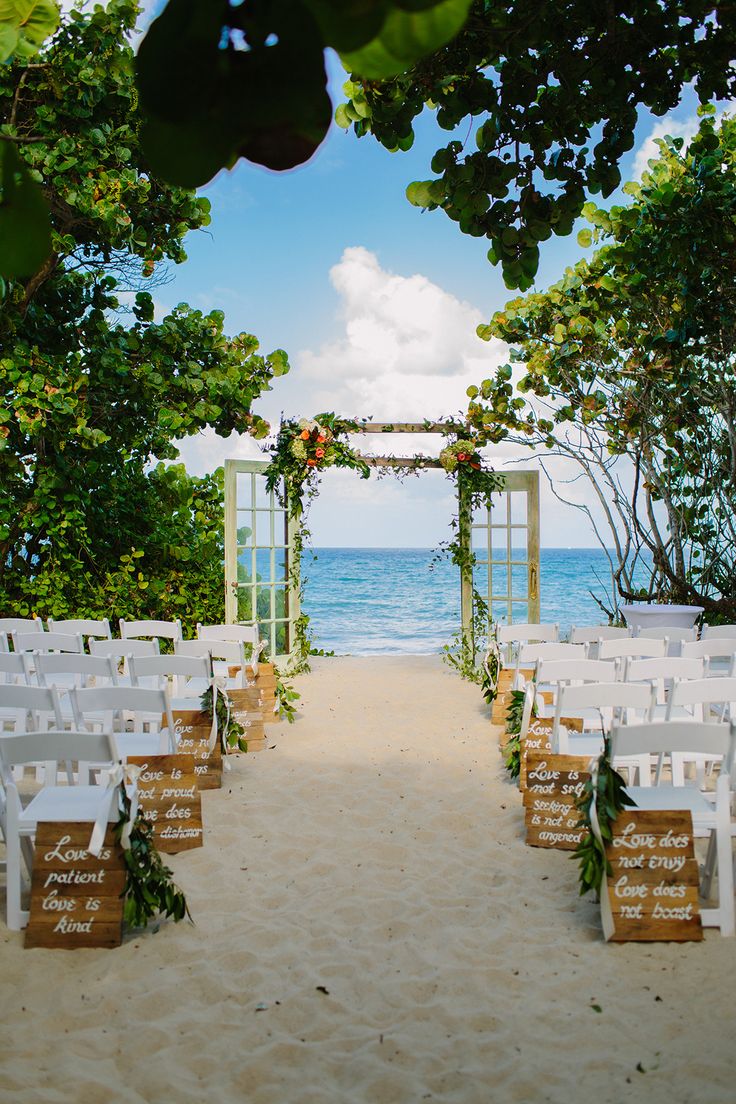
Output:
x=585 y=238
x=405 y=38
x=25 y=231
x=25 y=25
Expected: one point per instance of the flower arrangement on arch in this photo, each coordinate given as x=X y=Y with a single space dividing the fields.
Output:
x=313 y=444
x=461 y=453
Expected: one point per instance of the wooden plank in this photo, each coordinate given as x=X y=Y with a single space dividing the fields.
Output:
x=67 y=908
x=246 y=700
x=169 y=798
x=652 y=893
x=550 y=815
x=193 y=739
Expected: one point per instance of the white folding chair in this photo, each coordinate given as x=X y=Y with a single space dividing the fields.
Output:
x=166 y=630
x=135 y=714
x=26 y=708
x=719 y=654
x=718 y=632
x=223 y=654
x=121 y=651
x=87 y=626
x=589 y=635
x=61 y=803
x=600 y=705
x=65 y=671
x=48 y=642
x=675 y=635
x=15 y=669
x=248 y=635
x=10 y=625
x=705 y=700
x=677 y=738
x=661 y=673
x=190 y=676
x=511 y=637
x=636 y=647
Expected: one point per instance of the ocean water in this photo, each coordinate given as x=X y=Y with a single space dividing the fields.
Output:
x=393 y=601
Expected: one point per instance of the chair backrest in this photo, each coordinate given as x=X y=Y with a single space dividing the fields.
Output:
x=713 y=647
x=719 y=692
x=640 y=647
x=223 y=654
x=122 y=649
x=676 y=736
x=718 y=632
x=591 y=634
x=168 y=630
x=529 y=654
x=156 y=671
x=661 y=672
x=87 y=626
x=31 y=708
x=527 y=633
x=14 y=669
x=57 y=745
x=48 y=642
x=66 y=670
x=10 y=625
x=666 y=632
x=575 y=671
x=139 y=705
x=609 y=699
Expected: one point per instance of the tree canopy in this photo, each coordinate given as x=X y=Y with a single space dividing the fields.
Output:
x=94 y=388
x=541 y=101
x=633 y=354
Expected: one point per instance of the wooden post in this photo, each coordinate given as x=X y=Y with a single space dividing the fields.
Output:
x=466 y=570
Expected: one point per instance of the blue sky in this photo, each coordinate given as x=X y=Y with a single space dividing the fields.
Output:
x=376 y=304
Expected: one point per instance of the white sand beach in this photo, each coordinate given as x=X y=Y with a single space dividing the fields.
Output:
x=371 y=929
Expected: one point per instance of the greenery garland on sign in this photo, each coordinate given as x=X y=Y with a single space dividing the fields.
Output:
x=232 y=733
x=149 y=887
x=514 y=714
x=607 y=789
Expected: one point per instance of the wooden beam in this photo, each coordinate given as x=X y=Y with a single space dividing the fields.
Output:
x=401 y=462
x=410 y=427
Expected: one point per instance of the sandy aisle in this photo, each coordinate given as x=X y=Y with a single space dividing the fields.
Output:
x=375 y=852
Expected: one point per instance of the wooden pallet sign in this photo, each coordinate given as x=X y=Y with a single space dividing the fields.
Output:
x=247 y=710
x=192 y=728
x=652 y=894
x=75 y=896
x=538 y=739
x=550 y=814
x=503 y=697
x=169 y=797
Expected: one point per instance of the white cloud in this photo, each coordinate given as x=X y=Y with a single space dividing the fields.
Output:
x=676 y=127
x=408 y=348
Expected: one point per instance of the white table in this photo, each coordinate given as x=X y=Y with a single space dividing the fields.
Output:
x=645 y=615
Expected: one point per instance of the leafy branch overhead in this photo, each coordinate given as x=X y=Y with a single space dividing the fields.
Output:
x=220 y=81
x=541 y=102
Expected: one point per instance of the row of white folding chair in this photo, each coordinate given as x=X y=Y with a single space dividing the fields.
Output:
x=80 y=802
x=65 y=635
x=711 y=816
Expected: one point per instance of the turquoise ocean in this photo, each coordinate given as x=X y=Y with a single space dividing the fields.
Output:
x=394 y=601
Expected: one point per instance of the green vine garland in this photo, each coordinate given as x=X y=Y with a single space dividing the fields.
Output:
x=232 y=733
x=149 y=887
x=514 y=714
x=611 y=799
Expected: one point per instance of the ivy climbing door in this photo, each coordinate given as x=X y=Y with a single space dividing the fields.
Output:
x=505 y=544
x=261 y=567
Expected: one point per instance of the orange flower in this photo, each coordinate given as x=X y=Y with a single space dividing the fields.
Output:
x=311 y=463
x=462 y=456
x=304 y=435
x=319 y=452
x=321 y=437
